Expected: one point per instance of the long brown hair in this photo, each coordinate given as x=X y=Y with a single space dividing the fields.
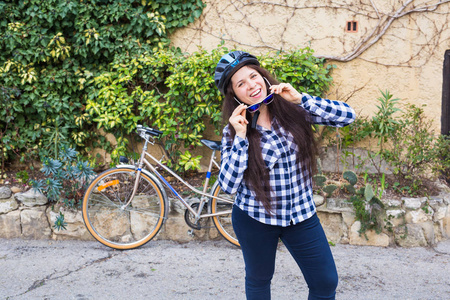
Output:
x=293 y=119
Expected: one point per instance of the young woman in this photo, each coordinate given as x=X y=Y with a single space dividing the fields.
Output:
x=268 y=159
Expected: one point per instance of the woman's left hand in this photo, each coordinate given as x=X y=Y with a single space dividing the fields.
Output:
x=286 y=91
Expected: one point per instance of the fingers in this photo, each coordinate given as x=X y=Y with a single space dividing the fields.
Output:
x=240 y=110
x=243 y=112
x=282 y=87
x=238 y=118
x=287 y=91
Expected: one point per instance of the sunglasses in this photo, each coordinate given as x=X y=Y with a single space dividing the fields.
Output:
x=255 y=107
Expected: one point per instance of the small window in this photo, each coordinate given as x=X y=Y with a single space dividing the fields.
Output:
x=352 y=26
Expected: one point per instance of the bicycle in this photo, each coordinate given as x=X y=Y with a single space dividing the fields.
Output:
x=126 y=206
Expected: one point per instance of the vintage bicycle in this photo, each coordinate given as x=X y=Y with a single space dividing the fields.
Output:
x=126 y=206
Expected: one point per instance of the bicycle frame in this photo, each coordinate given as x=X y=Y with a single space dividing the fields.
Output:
x=143 y=161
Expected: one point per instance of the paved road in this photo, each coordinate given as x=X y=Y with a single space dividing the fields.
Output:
x=208 y=270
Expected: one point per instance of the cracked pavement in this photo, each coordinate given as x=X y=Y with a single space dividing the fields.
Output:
x=80 y=270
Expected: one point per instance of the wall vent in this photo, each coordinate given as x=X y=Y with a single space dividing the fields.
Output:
x=352 y=26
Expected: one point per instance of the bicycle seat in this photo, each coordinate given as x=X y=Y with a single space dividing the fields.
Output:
x=213 y=145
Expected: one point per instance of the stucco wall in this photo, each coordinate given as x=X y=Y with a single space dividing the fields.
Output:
x=402 y=46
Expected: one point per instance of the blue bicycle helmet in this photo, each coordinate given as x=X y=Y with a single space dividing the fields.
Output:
x=227 y=67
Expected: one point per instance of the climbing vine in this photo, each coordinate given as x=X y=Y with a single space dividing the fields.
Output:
x=175 y=93
x=50 y=51
x=387 y=24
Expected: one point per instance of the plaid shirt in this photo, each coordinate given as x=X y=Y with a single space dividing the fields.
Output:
x=291 y=185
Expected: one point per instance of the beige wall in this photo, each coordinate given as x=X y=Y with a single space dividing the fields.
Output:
x=404 y=56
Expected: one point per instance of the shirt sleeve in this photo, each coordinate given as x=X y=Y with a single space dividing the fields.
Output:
x=234 y=157
x=328 y=112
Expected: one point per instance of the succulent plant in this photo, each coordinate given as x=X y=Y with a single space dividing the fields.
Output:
x=329 y=189
x=351 y=177
x=319 y=180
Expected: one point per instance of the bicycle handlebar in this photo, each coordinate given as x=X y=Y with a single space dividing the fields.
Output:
x=148 y=130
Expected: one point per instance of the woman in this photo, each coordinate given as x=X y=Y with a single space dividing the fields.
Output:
x=268 y=158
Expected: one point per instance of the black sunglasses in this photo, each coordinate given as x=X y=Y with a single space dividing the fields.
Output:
x=255 y=107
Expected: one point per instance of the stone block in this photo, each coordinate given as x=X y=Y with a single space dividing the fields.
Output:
x=176 y=206
x=414 y=203
x=417 y=216
x=446 y=223
x=428 y=232
x=440 y=213
x=16 y=189
x=75 y=228
x=35 y=224
x=410 y=235
x=373 y=238
x=392 y=202
x=328 y=157
x=111 y=223
x=348 y=218
x=213 y=233
x=436 y=202
x=396 y=213
x=332 y=225
x=176 y=229
x=318 y=200
x=8 y=205
x=31 y=198
x=10 y=225
x=5 y=192
x=338 y=205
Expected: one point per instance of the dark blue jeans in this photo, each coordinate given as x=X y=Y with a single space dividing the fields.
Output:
x=305 y=241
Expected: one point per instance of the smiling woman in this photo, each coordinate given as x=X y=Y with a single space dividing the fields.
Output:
x=268 y=159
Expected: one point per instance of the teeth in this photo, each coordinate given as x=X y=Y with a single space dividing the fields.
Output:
x=255 y=93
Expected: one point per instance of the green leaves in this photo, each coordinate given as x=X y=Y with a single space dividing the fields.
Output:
x=384 y=122
x=50 y=51
x=66 y=178
x=175 y=93
x=60 y=223
x=188 y=162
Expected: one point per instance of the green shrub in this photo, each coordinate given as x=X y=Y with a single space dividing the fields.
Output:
x=66 y=178
x=406 y=142
x=49 y=52
x=412 y=151
x=175 y=93
x=369 y=210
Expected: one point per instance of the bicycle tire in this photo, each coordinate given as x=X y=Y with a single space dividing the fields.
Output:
x=114 y=225
x=223 y=223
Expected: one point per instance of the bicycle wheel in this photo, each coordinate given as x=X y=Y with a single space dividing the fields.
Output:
x=114 y=223
x=223 y=221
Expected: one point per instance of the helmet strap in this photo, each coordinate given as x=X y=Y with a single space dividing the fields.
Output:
x=255 y=119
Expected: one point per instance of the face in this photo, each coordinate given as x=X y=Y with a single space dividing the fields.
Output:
x=248 y=85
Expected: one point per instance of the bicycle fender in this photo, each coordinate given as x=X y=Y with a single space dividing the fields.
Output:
x=158 y=183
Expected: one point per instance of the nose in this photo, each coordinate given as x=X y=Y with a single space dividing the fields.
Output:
x=252 y=84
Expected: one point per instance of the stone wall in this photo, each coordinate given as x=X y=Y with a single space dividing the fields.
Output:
x=414 y=221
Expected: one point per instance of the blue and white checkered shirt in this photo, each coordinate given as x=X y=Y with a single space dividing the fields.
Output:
x=291 y=185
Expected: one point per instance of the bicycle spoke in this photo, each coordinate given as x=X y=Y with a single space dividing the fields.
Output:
x=116 y=221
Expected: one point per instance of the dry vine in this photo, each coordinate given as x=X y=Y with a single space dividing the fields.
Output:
x=383 y=23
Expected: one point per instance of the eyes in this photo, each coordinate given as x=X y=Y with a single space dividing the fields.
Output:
x=241 y=83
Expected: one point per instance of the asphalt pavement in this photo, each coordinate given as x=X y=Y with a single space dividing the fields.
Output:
x=45 y=269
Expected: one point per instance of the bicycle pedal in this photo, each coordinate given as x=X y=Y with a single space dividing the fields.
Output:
x=191 y=233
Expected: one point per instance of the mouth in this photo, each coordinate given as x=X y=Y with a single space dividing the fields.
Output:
x=256 y=93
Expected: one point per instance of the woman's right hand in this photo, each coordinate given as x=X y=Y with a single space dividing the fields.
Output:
x=239 y=121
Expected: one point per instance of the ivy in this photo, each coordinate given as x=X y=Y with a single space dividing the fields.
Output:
x=68 y=68
x=175 y=93
x=50 y=51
